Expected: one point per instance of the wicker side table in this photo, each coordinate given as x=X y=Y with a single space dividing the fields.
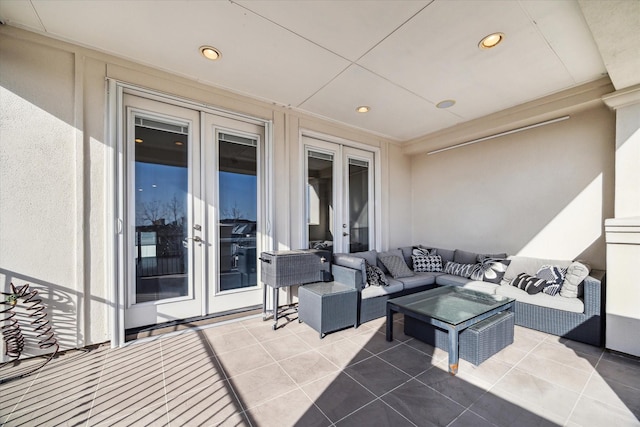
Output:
x=327 y=306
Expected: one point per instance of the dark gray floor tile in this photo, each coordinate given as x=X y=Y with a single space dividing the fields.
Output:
x=408 y=359
x=423 y=405
x=469 y=419
x=377 y=375
x=463 y=391
x=376 y=414
x=338 y=395
x=509 y=412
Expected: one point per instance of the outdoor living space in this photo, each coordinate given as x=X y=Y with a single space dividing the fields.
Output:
x=242 y=373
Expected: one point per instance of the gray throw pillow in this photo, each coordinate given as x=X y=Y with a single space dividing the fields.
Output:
x=396 y=266
x=576 y=273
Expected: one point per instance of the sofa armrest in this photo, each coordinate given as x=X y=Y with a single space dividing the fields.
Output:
x=348 y=276
x=594 y=293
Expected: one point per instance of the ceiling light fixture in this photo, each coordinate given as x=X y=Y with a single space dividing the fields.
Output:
x=210 y=52
x=447 y=103
x=138 y=140
x=363 y=109
x=179 y=143
x=490 y=41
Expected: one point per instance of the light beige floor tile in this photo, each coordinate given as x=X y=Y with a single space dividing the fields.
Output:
x=231 y=341
x=266 y=383
x=198 y=375
x=593 y=413
x=613 y=393
x=554 y=372
x=541 y=394
x=285 y=347
x=344 y=353
x=307 y=367
x=567 y=356
x=246 y=359
x=204 y=407
x=291 y=409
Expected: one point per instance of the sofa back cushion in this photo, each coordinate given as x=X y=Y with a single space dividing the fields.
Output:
x=446 y=254
x=465 y=257
x=528 y=265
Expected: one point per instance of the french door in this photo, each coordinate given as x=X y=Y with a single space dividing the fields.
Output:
x=339 y=197
x=191 y=193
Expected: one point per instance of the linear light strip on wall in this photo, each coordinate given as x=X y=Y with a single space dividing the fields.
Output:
x=484 y=138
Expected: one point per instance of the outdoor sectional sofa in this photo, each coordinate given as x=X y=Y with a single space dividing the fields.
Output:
x=580 y=318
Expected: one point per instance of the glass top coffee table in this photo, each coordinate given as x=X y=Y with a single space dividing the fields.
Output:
x=450 y=308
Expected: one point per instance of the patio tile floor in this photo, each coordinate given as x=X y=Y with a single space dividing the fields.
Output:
x=242 y=373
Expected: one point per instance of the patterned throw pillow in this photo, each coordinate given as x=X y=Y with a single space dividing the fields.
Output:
x=554 y=276
x=427 y=263
x=423 y=252
x=375 y=276
x=528 y=283
x=490 y=269
x=458 y=269
x=396 y=266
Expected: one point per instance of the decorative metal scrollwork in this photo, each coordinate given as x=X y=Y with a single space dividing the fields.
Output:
x=12 y=332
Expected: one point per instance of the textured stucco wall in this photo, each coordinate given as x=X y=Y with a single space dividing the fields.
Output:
x=543 y=192
x=38 y=193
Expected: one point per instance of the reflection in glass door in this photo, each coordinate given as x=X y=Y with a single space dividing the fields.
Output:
x=358 y=207
x=161 y=189
x=238 y=183
x=320 y=199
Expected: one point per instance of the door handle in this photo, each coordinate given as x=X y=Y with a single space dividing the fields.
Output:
x=197 y=239
x=345 y=234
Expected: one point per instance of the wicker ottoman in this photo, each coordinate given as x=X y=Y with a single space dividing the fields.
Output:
x=477 y=343
x=327 y=306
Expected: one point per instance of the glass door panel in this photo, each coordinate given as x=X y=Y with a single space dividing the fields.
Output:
x=234 y=156
x=161 y=191
x=358 y=202
x=320 y=199
x=238 y=191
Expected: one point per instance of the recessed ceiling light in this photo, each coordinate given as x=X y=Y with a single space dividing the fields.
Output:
x=138 y=140
x=363 y=109
x=210 y=52
x=446 y=103
x=492 y=40
x=178 y=143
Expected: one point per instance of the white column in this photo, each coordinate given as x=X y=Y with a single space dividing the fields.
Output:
x=623 y=231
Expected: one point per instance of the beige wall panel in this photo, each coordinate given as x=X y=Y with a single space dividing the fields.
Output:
x=397 y=196
x=97 y=293
x=38 y=191
x=543 y=192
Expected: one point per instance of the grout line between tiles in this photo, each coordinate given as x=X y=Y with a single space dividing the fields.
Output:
x=95 y=392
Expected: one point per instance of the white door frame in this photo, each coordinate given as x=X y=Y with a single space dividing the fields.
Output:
x=115 y=271
x=302 y=181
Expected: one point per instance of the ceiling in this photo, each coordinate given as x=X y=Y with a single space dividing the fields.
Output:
x=327 y=57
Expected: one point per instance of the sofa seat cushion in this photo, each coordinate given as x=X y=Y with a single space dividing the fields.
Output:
x=419 y=279
x=451 y=280
x=376 y=291
x=480 y=286
x=574 y=305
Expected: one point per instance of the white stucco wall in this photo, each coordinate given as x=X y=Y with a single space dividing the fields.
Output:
x=544 y=192
x=54 y=183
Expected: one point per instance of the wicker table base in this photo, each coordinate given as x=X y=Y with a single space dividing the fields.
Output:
x=327 y=306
